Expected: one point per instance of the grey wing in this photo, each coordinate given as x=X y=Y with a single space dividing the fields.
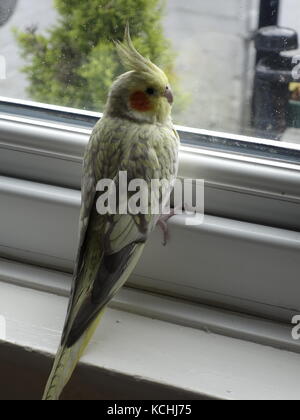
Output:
x=88 y=197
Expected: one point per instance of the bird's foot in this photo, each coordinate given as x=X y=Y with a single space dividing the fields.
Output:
x=163 y=224
x=163 y=220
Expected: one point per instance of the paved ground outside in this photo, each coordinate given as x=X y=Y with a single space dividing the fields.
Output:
x=27 y=13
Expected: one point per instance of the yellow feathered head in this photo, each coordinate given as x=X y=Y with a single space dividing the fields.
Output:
x=145 y=86
x=134 y=61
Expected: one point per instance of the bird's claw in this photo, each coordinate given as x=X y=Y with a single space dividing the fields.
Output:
x=163 y=224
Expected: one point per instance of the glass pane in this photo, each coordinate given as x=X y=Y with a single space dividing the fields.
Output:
x=290 y=17
x=60 y=52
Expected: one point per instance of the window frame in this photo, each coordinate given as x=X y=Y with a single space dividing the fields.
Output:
x=250 y=201
x=245 y=187
x=134 y=353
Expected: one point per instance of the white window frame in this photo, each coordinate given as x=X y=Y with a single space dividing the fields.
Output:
x=237 y=275
x=144 y=350
x=252 y=206
x=241 y=183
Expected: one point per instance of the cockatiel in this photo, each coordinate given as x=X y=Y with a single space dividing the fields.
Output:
x=135 y=135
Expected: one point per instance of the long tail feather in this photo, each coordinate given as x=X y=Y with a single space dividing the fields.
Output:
x=68 y=357
x=65 y=363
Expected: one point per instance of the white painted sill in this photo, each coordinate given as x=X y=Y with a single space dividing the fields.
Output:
x=168 y=343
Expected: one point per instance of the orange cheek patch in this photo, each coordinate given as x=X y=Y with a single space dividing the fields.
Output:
x=140 y=102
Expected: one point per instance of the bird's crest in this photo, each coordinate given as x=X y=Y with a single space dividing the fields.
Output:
x=134 y=61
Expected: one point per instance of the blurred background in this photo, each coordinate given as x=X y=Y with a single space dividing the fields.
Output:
x=60 y=52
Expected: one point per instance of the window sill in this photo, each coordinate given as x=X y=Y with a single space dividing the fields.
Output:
x=148 y=353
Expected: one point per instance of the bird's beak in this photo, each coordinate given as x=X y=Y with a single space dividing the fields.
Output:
x=169 y=95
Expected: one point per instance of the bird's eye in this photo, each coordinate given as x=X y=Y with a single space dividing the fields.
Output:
x=150 y=91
